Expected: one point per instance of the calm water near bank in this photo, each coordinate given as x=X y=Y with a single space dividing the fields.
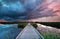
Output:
x=9 y=31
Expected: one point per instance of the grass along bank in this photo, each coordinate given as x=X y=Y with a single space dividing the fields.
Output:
x=49 y=32
x=51 y=35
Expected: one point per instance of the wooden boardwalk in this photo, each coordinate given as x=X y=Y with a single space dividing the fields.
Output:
x=29 y=32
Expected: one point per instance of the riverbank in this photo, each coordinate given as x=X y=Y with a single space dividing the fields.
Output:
x=48 y=32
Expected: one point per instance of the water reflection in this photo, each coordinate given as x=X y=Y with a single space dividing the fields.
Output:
x=8 y=31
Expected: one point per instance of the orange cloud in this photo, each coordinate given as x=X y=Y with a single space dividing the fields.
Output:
x=3 y=21
x=55 y=5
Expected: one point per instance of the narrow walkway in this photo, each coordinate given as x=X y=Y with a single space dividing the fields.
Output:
x=29 y=32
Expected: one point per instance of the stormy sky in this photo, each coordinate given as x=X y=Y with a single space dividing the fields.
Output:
x=27 y=9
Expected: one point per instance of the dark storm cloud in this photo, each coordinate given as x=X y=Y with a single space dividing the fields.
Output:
x=16 y=9
x=26 y=9
x=11 y=9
